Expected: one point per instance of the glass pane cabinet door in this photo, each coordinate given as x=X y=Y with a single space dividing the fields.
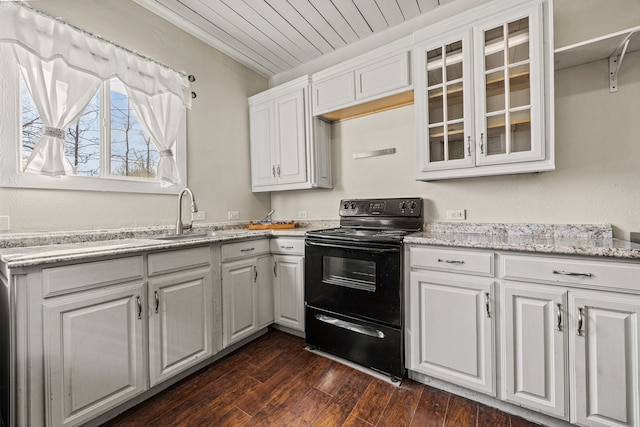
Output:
x=508 y=110
x=446 y=116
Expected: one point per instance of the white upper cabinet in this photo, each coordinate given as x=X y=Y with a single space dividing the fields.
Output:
x=483 y=91
x=290 y=149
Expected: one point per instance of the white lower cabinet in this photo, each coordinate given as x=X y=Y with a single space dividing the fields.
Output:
x=569 y=330
x=94 y=352
x=288 y=282
x=453 y=318
x=180 y=323
x=533 y=325
x=605 y=358
x=247 y=289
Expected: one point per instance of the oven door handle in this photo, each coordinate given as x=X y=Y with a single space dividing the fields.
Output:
x=360 y=248
x=364 y=330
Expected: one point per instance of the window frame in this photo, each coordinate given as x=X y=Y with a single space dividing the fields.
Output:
x=11 y=175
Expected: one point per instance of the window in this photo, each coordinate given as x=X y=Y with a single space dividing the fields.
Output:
x=108 y=146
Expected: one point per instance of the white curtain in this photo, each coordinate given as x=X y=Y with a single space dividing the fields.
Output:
x=49 y=38
x=161 y=115
x=61 y=95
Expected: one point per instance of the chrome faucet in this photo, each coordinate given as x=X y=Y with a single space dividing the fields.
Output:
x=194 y=209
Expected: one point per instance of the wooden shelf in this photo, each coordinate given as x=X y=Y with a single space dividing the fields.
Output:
x=595 y=49
x=495 y=126
x=375 y=106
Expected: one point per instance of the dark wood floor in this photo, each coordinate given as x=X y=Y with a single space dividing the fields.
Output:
x=273 y=381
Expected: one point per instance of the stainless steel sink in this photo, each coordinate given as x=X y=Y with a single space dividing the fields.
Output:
x=195 y=236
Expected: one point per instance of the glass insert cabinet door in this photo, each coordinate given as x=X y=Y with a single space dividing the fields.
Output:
x=508 y=92
x=447 y=116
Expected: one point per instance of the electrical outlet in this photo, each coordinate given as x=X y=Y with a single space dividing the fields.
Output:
x=302 y=214
x=198 y=216
x=4 y=223
x=233 y=215
x=457 y=214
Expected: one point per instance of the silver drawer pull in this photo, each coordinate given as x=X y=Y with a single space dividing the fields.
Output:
x=450 y=261
x=286 y=247
x=361 y=329
x=569 y=273
x=247 y=250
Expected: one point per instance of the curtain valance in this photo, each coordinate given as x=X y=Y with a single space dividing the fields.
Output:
x=50 y=38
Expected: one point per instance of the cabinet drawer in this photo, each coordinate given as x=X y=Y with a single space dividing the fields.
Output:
x=572 y=271
x=244 y=249
x=454 y=261
x=72 y=278
x=284 y=245
x=165 y=262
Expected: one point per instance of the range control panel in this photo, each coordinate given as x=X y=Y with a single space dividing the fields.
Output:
x=398 y=207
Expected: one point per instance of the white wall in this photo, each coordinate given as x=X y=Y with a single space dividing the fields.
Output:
x=597 y=148
x=217 y=129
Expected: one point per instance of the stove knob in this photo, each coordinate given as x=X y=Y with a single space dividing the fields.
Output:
x=414 y=205
x=346 y=206
x=353 y=205
x=403 y=205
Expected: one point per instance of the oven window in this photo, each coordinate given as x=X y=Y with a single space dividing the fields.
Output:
x=351 y=273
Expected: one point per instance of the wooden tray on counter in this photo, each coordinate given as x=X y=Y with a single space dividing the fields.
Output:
x=277 y=225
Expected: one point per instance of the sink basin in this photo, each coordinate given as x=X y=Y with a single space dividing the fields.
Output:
x=195 y=236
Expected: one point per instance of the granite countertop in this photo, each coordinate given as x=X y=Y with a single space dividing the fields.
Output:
x=564 y=239
x=24 y=250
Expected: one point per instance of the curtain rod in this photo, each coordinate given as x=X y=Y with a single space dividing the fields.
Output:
x=93 y=35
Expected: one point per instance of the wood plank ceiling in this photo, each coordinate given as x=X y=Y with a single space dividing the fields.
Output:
x=272 y=36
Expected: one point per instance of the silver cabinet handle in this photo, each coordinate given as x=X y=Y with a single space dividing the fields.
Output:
x=482 y=143
x=450 y=261
x=286 y=247
x=469 y=145
x=248 y=250
x=569 y=273
x=255 y=273
x=278 y=171
x=559 y=323
x=155 y=294
x=275 y=269
x=273 y=170
x=353 y=327
x=487 y=306
x=139 y=307
x=580 y=321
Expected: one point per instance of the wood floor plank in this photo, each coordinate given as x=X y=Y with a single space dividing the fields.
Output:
x=431 y=409
x=374 y=401
x=273 y=381
x=335 y=378
x=461 y=412
x=402 y=405
x=344 y=400
x=488 y=416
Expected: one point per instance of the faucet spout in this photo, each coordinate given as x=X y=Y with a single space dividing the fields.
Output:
x=194 y=209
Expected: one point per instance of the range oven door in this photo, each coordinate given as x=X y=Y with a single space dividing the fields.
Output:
x=355 y=278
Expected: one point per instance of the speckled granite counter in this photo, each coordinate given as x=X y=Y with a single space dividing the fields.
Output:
x=24 y=250
x=584 y=240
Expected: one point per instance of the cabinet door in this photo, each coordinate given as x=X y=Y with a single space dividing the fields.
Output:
x=263 y=166
x=291 y=138
x=453 y=318
x=333 y=93
x=264 y=290
x=604 y=336
x=180 y=322
x=239 y=317
x=534 y=331
x=289 y=291
x=445 y=104
x=94 y=347
x=509 y=103
x=385 y=76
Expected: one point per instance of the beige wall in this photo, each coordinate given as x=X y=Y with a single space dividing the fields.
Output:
x=597 y=141
x=217 y=129
x=597 y=174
